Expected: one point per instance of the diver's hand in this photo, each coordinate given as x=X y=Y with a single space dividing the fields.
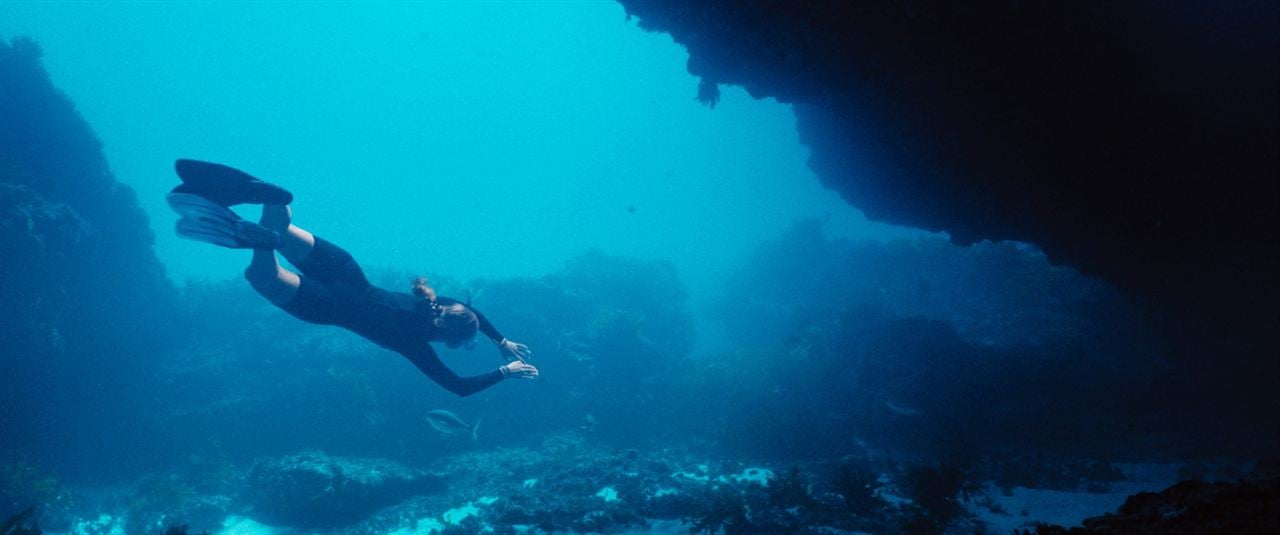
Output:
x=513 y=350
x=519 y=370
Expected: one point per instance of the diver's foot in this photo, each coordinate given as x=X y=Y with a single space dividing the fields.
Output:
x=256 y=236
x=276 y=217
x=206 y=221
x=225 y=185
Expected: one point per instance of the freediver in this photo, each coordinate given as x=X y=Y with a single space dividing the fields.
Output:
x=330 y=288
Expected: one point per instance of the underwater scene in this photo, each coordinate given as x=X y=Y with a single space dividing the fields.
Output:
x=639 y=267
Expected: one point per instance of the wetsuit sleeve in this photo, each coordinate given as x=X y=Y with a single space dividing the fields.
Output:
x=426 y=360
x=487 y=327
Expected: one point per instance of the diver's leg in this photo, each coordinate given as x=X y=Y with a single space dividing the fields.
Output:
x=320 y=291
x=296 y=243
x=315 y=257
x=302 y=297
x=273 y=282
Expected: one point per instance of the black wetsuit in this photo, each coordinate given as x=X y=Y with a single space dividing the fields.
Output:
x=335 y=291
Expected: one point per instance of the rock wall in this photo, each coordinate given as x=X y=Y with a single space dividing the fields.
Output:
x=1136 y=141
x=83 y=293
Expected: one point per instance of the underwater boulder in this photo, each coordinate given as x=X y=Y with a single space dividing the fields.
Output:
x=315 y=490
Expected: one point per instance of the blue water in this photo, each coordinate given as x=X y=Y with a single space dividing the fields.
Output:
x=704 y=313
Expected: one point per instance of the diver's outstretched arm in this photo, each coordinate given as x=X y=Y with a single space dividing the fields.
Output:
x=510 y=349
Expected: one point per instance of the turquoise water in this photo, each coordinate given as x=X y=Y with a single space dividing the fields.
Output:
x=477 y=139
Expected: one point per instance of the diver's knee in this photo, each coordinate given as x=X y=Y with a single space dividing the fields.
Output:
x=278 y=288
x=259 y=278
x=273 y=288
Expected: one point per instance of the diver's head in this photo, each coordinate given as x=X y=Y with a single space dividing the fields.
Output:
x=457 y=326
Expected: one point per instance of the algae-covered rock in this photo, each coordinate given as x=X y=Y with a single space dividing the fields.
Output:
x=315 y=490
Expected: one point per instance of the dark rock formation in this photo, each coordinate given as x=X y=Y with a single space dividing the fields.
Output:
x=82 y=291
x=314 y=490
x=20 y=524
x=1137 y=141
x=1242 y=507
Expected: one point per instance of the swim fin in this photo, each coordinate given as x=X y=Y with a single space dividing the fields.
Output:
x=225 y=185
x=206 y=221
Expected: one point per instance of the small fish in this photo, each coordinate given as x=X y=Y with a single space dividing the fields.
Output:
x=450 y=424
x=901 y=410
